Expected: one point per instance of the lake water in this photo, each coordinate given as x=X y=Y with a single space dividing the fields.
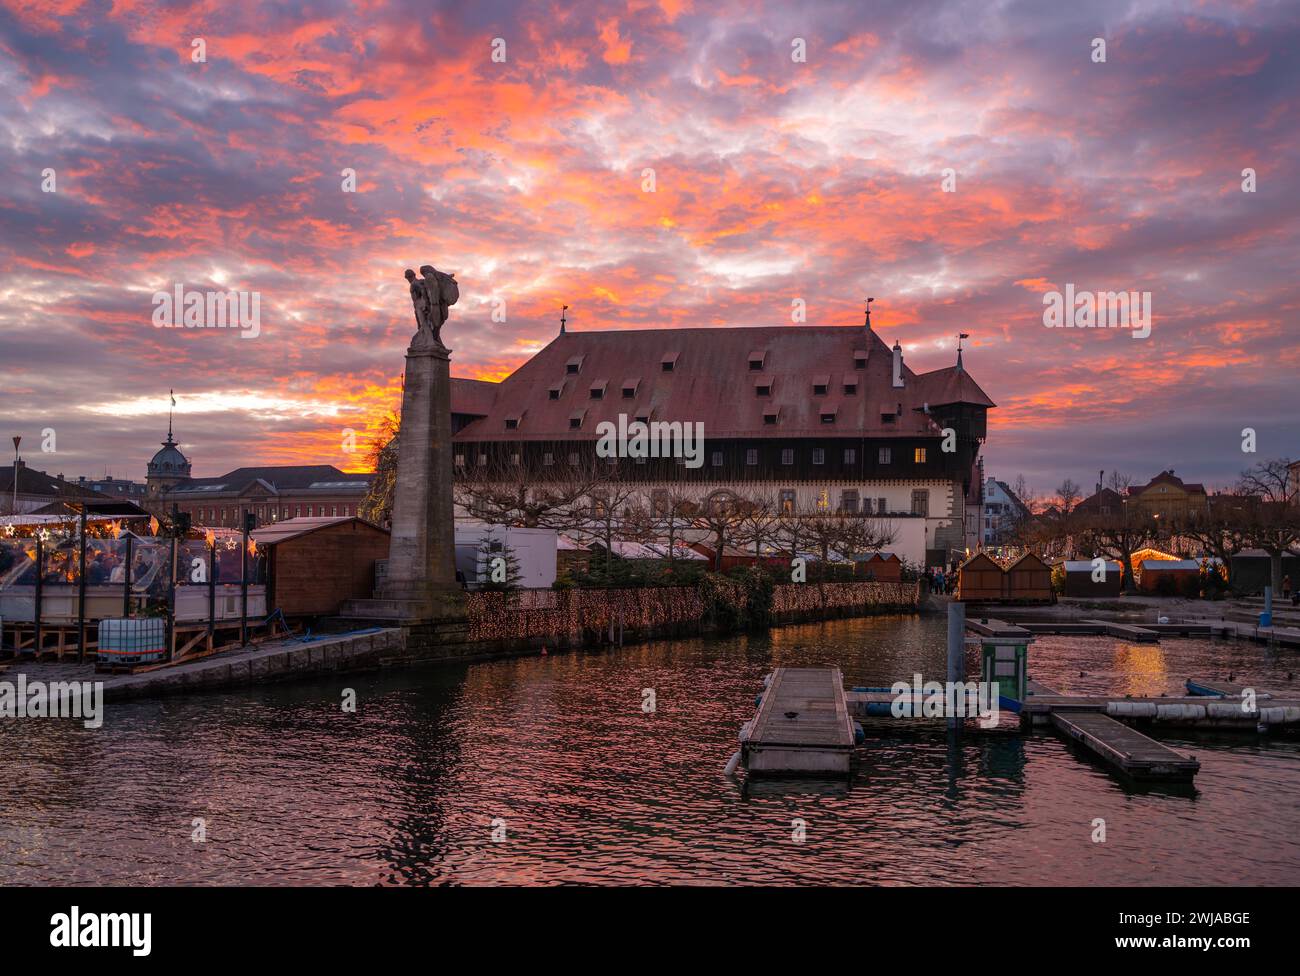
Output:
x=588 y=788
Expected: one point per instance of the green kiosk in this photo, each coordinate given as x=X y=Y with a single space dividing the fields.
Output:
x=1004 y=661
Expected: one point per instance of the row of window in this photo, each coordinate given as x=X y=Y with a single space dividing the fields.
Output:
x=787 y=499
x=668 y=363
x=771 y=415
x=884 y=455
x=220 y=516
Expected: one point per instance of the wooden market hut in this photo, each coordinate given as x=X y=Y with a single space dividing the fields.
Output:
x=1170 y=576
x=1079 y=580
x=980 y=578
x=881 y=567
x=1029 y=580
x=314 y=564
x=1252 y=570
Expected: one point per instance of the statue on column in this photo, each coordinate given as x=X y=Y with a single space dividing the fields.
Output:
x=431 y=296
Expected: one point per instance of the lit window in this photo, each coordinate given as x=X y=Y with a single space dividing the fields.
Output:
x=918 y=456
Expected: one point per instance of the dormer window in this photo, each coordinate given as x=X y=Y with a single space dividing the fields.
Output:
x=859 y=359
x=763 y=386
x=643 y=416
x=512 y=422
x=669 y=362
x=887 y=413
x=575 y=419
x=850 y=387
x=630 y=387
x=771 y=415
x=555 y=390
x=598 y=389
x=573 y=365
x=756 y=360
x=820 y=385
x=828 y=414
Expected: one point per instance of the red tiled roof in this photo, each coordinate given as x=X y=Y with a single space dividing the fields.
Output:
x=474 y=397
x=1168 y=478
x=711 y=382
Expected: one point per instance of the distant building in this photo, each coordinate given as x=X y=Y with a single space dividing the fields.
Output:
x=1003 y=513
x=36 y=489
x=1168 y=496
x=116 y=488
x=1103 y=503
x=273 y=493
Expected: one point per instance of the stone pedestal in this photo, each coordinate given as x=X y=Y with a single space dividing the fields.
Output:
x=421 y=582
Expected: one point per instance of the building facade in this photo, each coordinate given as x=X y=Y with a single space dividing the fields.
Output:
x=1004 y=512
x=1167 y=496
x=813 y=419
x=24 y=490
x=272 y=493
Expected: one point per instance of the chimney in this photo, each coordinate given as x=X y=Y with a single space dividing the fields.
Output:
x=898 y=366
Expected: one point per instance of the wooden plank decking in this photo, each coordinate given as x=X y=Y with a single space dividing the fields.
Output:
x=989 y=627
x=1123 y=747
x=802 y=725
x=1125 y=631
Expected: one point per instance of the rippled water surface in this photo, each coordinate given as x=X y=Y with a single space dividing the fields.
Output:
x=591 y=789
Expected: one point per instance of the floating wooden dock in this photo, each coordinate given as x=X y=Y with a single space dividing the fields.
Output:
x=1135 y=632
x=802 y=726
x=989 y=627
x=1123 y=747
x=1125 y=631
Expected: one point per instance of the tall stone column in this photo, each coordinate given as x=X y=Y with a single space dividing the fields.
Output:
x=422 y=546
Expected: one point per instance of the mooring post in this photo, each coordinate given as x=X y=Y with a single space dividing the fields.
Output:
x=956 y=650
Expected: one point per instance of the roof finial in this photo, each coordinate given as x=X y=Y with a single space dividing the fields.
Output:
x=960 y=337
x=867 y=324
x=562 y=318
x=170 y=411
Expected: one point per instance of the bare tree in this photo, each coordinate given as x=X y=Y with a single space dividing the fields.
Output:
x=1069 y=493
x=1119 y=482
x=501 y=492
x=609 y=503
x=757 y=522
x=1274 y=523
x=1117 y=537
x=719 y=518
x=666 y=519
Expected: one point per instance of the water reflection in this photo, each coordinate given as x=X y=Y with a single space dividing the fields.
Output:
x=589 y=788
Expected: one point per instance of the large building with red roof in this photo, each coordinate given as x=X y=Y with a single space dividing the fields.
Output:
x=818 y=418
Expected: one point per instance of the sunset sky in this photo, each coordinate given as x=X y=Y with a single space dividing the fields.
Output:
x=774 y=180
